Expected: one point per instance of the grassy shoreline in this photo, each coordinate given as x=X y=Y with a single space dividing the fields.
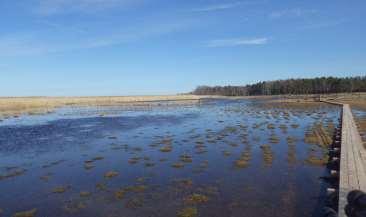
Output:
x=15 y=106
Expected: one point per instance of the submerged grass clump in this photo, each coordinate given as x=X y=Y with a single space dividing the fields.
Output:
x=166 y=148
x=319 y=136
x=317 y=161
x=241 y=163
x=149 y=164
x=291 y=154
x=204 y=164
x=74 y=207
x=13 y=172
x=183 y=183
x=291 y=140
x=85 y=194
x=274 y=139
x=88 y=166
x=188 y=212
x=283 y=128
x=295 y=126
x=233 y=144
x=29 y=213
x=110 y=174
x=136 y=188
x=244 y=159
x=119 y=194
x=178 y=165
x=186 y=158
x=97 y=158
x=267 y=154
x=196 y=199
x=134 y=203
x=54 y=163
x=101 y=186
x=45 y=177
x=134 y=160
x=61 y=189
x=271 y=126
x=226 y=153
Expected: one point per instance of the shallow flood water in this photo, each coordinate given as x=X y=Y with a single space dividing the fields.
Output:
x=360 y=118
x=212 y=159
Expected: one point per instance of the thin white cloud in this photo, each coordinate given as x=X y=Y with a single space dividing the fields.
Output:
x=53 y=7
x=40 y=43
x=233 y=42
x=320 y=25
x=294 y=12
x=218 y=7
x=15 y=45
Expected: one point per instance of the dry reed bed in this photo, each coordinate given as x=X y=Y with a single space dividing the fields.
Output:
x=357 y=101
x=14 y=106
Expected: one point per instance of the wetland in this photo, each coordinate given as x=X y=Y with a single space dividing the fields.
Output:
x=212 y=158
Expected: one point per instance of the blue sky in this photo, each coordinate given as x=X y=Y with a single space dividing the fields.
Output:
x=145 y=47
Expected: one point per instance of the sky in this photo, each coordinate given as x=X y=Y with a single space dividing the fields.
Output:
x=151 y=47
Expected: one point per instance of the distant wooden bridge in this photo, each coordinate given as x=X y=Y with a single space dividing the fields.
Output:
x=352 y=173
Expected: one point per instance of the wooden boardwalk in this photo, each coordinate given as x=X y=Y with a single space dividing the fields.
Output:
x=352 y=174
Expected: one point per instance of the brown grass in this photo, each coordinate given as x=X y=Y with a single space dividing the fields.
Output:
x=319 y=135
x=14 y=106
x=29 y=213
x=188 y=212
x=356 y=100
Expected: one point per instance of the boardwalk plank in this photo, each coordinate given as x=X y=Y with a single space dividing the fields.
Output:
x=353 y=163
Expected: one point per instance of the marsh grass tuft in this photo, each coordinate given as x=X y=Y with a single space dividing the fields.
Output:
x=134 y=203
x=61 y=189
x=88 y=166
x=319 y=136
x=29 y=213
x=13 y=172
x=85 y=194
x=186 y=158
x=244 y=158
x=178 y=165
x=274 y=139
x=291 y=154
x=188 y=212
x=119 y=194
x=195 y=199
x=267 y=154
x=317 y=161
x=166 y=148
x=101 y=186
x=110 y=174
x=74 y=207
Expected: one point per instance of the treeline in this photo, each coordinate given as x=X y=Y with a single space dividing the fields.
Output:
x=320 y=85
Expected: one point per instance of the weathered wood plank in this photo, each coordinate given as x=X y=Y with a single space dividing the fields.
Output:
x=352 y=160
